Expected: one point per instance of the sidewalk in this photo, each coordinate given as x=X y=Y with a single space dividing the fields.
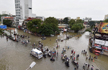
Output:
x=105 y=53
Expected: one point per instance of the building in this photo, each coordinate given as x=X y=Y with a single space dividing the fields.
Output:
x=12 y=18
x=106 y=17
x=40 y=17
x=100 y=39
x=77 y=18
x=23 y=10
x=87 y=19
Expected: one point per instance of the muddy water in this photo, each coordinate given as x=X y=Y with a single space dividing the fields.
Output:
x=15 y=56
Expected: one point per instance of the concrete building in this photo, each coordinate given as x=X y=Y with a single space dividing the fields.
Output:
x=12 y=18
x=40 y=17
x=87 y=19
x=23 y=9
x=106 y=17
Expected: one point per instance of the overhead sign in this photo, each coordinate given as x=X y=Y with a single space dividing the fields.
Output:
x=101 y=42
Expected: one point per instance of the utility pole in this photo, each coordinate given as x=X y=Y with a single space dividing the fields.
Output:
x=66 y=34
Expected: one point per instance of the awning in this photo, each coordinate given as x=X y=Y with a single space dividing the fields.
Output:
x=96 y=51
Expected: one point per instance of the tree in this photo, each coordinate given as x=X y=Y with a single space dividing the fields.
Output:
x=66 y=20
x=106 y=20
x=34 y=25
x=76 y=27
x=79 y=21
x=53 y=23
x=1 y=31
x=71 y=22
x=51 y=20
x=91 y=23
x=7 y=22
x=46 y=29
x=3 y=15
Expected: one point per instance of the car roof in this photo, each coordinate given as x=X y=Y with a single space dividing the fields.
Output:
x=36 y=50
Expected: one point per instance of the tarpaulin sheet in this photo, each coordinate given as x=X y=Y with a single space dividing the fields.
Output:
x=3 y=26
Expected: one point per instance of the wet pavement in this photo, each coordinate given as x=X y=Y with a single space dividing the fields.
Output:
x=16 y=56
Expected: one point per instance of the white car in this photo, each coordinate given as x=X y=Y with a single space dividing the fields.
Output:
x=37 y=53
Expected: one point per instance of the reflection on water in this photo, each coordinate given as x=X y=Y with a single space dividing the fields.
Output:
x=15 y=56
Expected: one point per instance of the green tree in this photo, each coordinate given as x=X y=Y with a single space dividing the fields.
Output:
x=71 y=22
x=51 y=20
x=76 y=27
x=53 y=23
x=79 y=21
x=66 y=20
x=46 y=29
x=92 y=24
x=7 y=22
x=106 y=20
x=34 y=25
x=3 y=15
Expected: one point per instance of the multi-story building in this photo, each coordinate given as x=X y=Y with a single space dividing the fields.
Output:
x=23 y=9
x=106 y=17
x=87 y=19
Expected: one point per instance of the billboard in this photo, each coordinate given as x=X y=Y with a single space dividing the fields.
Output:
x=103 y=28
x=101 y=42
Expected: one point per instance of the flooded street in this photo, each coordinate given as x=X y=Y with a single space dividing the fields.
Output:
x=16 y=56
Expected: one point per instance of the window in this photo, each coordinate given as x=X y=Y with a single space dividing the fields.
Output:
x=30 y=8
x=17 y=1
x=17 y=5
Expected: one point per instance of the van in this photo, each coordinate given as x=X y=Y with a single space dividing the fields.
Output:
x=37 y=53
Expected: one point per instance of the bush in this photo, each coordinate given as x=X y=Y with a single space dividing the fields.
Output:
x=88 y=30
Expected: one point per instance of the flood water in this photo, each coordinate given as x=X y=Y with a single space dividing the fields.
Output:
x=16 y=56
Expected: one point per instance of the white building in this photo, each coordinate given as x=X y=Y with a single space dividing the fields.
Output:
x=23 y=9
x=87 y=19
x=40 y=17
x=106 y=17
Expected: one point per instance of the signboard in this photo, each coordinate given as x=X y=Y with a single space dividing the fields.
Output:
x=101 y=42
x=103 y=28
x=106 y=43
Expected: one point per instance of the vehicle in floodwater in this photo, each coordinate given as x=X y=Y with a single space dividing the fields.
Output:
x=37 y=53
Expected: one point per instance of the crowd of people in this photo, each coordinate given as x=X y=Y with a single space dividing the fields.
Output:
x=53 y=53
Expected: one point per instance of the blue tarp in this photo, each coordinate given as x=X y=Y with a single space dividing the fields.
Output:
x=3 y=26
